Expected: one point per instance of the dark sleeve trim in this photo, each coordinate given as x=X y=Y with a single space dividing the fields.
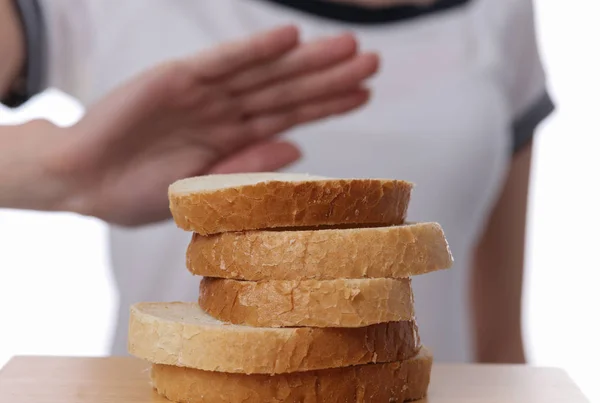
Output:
x=30 y=14
x=524 y=127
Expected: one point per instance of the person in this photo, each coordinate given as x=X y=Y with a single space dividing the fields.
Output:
x=458 y=94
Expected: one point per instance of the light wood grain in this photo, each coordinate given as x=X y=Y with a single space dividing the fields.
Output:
x=125 y=380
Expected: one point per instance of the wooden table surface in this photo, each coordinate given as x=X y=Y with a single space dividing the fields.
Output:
x=120 y=380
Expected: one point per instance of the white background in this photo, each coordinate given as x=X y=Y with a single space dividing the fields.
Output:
x=56 y=294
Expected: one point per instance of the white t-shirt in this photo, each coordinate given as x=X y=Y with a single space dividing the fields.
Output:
x=461 y=87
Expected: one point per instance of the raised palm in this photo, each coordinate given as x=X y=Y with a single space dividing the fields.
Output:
x=217 y=111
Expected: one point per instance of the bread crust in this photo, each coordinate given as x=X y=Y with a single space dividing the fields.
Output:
x=372 y=383
x=383 y=252
x=279 y=204
x=181 y=334
x=326 y=303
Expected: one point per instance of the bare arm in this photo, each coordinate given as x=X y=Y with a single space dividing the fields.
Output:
x=12 y=48
x=498 y=270
x=25 y=178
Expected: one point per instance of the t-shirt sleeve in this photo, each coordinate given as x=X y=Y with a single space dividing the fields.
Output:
x=524 y=76
x=57 y=37
x=31 y=22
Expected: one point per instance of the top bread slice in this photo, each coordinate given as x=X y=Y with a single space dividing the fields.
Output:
x=239 y=202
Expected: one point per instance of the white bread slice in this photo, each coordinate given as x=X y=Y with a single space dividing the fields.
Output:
x=326 y=303
x=372 y=383
x=239 y=202
x=181 y=334
x=382 y=252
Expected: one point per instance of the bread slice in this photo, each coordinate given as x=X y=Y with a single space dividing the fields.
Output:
x=239 y=202
x=326 y=303
x=383 y=252
x=371 y=383
x=181 y=334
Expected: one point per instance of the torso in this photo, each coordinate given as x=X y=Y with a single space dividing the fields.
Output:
x=438 y=118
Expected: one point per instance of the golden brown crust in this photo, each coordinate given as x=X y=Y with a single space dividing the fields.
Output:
x=384 y=252
x=372 y=383
x=278 y=204
x=182 y=334
x=326 y=303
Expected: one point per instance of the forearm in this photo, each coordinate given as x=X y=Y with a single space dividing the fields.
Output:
x=12 y=47
x=27 y=180
x=497 y=280
x=497 y=290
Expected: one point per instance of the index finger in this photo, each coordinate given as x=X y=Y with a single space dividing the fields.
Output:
x=234 y=56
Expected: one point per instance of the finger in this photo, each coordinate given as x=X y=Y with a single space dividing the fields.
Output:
x=305 y=89
x=269 y=125
x=218 y=106
x=263 y=157
x=302 y=60
x=258 y=129
x=233 y=56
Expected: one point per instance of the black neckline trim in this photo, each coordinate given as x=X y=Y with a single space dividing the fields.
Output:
x=364 y=15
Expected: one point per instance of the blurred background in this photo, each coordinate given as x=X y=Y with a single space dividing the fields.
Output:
x=69 y=263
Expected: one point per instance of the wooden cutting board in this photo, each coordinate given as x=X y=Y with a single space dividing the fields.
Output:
x=125 y=380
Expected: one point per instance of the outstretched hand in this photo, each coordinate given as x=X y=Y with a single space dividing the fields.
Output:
x=215 y=112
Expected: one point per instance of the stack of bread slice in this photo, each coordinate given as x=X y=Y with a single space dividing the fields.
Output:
x=305 y=293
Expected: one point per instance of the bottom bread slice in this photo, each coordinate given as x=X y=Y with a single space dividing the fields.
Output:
x=399 y=381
